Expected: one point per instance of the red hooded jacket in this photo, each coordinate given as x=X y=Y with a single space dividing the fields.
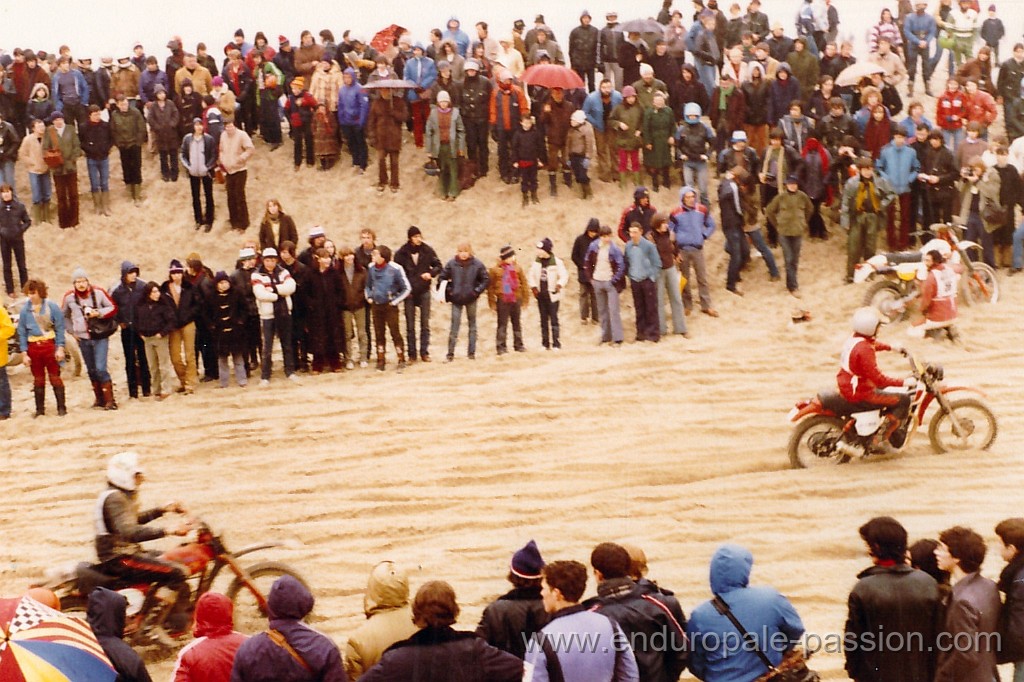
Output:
x=211 y=656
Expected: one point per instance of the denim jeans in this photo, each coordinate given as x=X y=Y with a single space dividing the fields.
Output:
x=608 y=311
x=976 y=232
x=769 y=258
x=453 y=334
x=282 y=326
x=99 y=175
x=94 y=354
x=5 y=393
x=953 y=138
x=204 y=182
x=411 y=304
x=791 y=256
x=12 y=251
x=1018 y=247
x=136 y=367
x=548 y=321
x=695 y=174
x=7 y=175
x=668 y=286
x=708 y=74
x=224 y=364
x=588 y=302
x=509 y=312
x=42 y=187
x=734 y=239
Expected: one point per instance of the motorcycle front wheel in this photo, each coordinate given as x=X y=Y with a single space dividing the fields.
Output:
x=978 y=427
x=249 y=618
x=813 y=443
x=884 y=296
x=979 y=286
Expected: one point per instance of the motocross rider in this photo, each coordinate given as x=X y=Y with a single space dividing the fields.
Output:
x=120 y=527
x=938 y=295
x=860 y=380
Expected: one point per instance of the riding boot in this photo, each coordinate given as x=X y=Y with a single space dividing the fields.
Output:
x=105 y=203
x=58 y=393
x=95 y=202
x=553 y=182
x=381 y=360
x=107 y=391
x=97 y=392
x=401 y=359
x=40 y=393
x=567 y=178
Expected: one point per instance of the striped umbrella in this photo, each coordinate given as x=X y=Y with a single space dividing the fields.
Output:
x=39 y=644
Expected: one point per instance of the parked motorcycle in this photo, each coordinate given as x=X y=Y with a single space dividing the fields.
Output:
x=893 y=276
x=73 y=361
x=203 y=562
x=831 y=430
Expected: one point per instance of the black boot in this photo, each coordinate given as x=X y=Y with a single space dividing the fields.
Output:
x=567 y=178
x=40 y=393
x=526 y=199
x=533 y=197
x=654 y=180
x=553 y=182
x=58 y=393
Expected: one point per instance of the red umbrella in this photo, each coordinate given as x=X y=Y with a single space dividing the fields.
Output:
x=552 y=76
x=385 y=38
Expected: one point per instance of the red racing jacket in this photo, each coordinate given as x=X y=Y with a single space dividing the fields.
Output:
x=859 y=375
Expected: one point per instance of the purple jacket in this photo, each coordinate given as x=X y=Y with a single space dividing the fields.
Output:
x=353 y=104
x=149 y=80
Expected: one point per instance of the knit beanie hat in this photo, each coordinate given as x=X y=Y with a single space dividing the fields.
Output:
x=527 y=562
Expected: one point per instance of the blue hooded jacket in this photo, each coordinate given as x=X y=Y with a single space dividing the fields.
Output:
x=353 y=103
x=459 y=36
x=423 y=72
x=762 y=611
x=594 y=108
x=106 y=615
x=261 y=660
x=81 y=87
x=691 y=226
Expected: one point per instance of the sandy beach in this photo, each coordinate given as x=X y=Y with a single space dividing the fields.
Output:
x=675 y=447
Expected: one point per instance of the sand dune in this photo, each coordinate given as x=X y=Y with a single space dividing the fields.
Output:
x=675 y=447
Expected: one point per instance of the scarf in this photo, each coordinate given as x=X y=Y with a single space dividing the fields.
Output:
x=866 y=191
x=723 y=97
x=444 y=124
x=780 y=175
x=509 y=282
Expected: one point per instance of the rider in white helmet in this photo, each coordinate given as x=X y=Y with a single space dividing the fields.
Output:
x=120 y=527
x=859 y=379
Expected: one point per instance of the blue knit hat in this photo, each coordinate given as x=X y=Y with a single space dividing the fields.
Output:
x=527 y=562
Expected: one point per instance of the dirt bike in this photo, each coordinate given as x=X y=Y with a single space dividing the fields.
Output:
x=203 y=561
x=73 y=361
x=831 y=430
x=893 y=276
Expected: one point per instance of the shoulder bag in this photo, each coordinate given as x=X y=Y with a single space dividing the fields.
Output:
x=100 y=327
x=792 y=668
x=53 y=158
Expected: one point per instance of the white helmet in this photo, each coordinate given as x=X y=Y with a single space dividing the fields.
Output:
x=122 y=469
x=940 y=245
x=866 y=321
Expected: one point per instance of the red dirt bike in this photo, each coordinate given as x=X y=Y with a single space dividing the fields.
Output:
x=203 y=562
x=830 y=430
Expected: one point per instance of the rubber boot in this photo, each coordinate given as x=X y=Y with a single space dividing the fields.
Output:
x=533 y=197
x=62 y=408
x=567 y=178
x=37 y=214
x=137 y=194
x=107 y=392
x=48 y=213
x=553 y=182
x=655 y=180
x=97 y=391
x=381 y=362
x=95 y=202
x=587 y=193
x=40 y=393
x=105 y=203
x=637 y=179
x=526 y=199
x=401 y=360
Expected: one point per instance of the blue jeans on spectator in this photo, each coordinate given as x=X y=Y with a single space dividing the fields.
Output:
x=5 y=393
x=453 y=334
x=953 y=138
x=668 y=287
x=94 y=354
x=734 y=246
x=791 y=256
x=695 y=174
x=411 y=304
x=608 y=311
x=1018 y=247
x=7 y=175
x=759 y=243
x=42 y=187
x=99 y=175
x=976 y=232
x=282 y=326
x=708 y=75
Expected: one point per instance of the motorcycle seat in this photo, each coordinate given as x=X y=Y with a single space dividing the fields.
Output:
x=90 y=577
x=838 y=405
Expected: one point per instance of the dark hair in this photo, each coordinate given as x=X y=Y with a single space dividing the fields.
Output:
x=776 y=134
x=288 y=246
x=434 y=605
x=886 y=539
x=384 y=252
x=151 y=59
x=936 y=256
x=611 y=560
x=36 y=285
x=922 y=557
x=322 y=253
x=482 y=24
x=935 y=135
x=568 y=577
x=326 y=35
x=521 y=582
x=6 y=188
x=1011 y=532
x=797 y=103
x=208 y=100
x=604 y=230
x=966 y=546
x=924 y=126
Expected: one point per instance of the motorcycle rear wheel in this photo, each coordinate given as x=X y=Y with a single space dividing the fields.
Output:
x=813 y=442
x=975 y=417
x=981 y=286
x=882 y=296
x=249 y=618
